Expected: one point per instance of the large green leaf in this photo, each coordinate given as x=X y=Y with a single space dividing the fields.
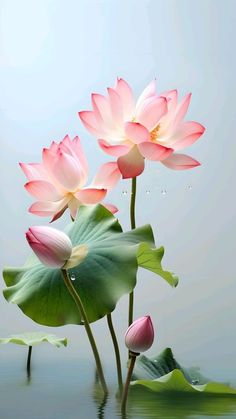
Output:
x=165 y=362
x=150 y=258
x=164 y=374
x=34 y=338
x=107 y=272
x=175 y=381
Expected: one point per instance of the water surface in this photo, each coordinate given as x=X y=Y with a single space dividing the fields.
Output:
x=69 y=389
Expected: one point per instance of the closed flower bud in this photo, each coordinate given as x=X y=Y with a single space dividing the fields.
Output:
x=140 y=335
x=53 y=247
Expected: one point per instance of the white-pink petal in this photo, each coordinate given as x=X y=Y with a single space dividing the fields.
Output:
x=151 y=111
x=124 y=91
x=116 y=107
x=172 y=98
x=188 y=134
x=67 y=171
x=43 y=190
x=112 y=208
x=107 y=176
x=90 y=195
x=136 y=132
x=153 y=151
x=90 y=122
x=180 y=162
x=73 y=206
x=181 y=111
x=114 y=150
x=34 y=171
x=46 y=208
x=102 y=108
x=132 y=164
x=149 y=91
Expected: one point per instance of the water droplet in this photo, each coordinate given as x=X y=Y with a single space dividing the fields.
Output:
x=155 y=360
x=72 y=277
x=194 y=382
x=163 y=191
x=124 y=192
x=189 y=187
x=148 y=191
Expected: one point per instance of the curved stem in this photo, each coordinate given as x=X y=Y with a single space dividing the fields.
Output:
x=29 y=360
x=117 y=352
x=84 y=317
x=133 y=225
x=128 y=379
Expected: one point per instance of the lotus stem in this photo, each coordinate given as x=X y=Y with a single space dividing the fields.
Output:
x=29 y=360
x=117 y=352
x=133 y=225
x=133 y=357
x=84 y=317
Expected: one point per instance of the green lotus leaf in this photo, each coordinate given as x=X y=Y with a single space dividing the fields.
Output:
x=34 y=338
x=107 y=272
x=164 y=374
x=150 y=258
x=165 y=362
x=175 y=381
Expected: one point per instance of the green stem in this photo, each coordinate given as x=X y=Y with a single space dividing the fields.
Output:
x=133 y=225
x=117 y=352
x=132 y=203
x=84 y=317
x=128 y=379
x=29 y=360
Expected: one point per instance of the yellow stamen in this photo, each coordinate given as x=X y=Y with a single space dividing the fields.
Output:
x=154 y=133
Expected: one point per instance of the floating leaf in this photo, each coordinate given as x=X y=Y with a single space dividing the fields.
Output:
x=175 y=381
x=164 y=374
x=150 y=258
x=34 y=338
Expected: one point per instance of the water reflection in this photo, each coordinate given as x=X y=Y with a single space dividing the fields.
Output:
x=70 y=390
x=145 y=404
x=99 y=398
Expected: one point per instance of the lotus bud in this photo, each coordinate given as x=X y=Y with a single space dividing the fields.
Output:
x=140 y=335
x=52 y=246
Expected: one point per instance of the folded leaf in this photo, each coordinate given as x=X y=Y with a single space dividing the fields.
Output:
x=164 y=374
x=150 y=258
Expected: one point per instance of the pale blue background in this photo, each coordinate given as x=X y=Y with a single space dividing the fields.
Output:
x=53 y=55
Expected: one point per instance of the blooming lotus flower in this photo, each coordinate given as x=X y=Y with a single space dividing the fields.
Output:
x=153 y=127
x=53 y=247
x=140 y=335
x=59 y=181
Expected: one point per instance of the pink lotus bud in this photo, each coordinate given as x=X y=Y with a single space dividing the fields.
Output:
x=53 y=247
x=140 y=335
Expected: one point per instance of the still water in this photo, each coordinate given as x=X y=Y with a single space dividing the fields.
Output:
x=69 y=390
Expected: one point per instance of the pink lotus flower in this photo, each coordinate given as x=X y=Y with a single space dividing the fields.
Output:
x=140 y=335
x=153 y=127
x=59 y=181
x=53 y=247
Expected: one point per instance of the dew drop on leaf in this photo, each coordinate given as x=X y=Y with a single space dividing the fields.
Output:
x=72 y=277
x=194 y=382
